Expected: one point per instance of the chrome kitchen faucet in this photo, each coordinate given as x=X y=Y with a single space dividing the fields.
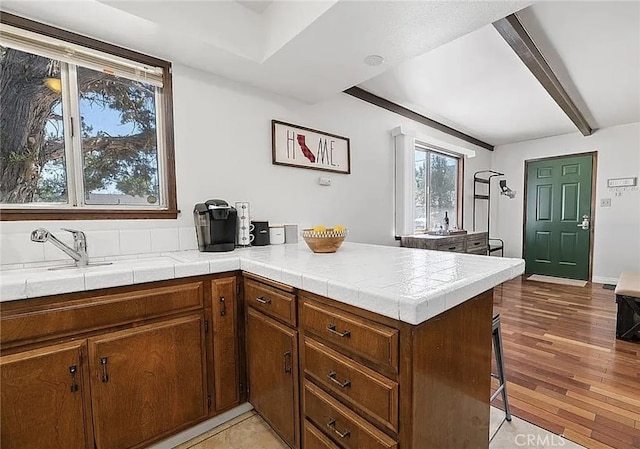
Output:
x=77 y=253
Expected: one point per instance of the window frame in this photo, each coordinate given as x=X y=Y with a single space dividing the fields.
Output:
x=428 y=148
x=49 y=212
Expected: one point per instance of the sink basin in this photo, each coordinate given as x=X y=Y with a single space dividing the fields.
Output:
x=89 y=265
x=115 y=264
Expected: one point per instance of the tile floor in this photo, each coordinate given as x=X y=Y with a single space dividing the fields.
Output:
x=249 y=431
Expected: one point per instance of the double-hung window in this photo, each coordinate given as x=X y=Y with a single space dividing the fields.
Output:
x=437 y=177
x=85 y=128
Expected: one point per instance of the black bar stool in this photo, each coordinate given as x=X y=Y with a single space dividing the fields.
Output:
x=497 y=349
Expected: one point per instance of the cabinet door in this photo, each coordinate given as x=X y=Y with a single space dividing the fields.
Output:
x=147 y=382
x=272 y=358
x=225 y=343
x=44 y=398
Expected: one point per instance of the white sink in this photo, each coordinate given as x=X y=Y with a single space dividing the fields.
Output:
x=155 y=261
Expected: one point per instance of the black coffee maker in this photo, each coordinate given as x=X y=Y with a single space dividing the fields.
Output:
x=216 y=223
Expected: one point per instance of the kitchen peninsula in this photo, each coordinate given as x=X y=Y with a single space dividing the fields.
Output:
x=385 y=347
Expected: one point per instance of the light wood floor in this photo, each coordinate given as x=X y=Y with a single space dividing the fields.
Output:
x=566 y=372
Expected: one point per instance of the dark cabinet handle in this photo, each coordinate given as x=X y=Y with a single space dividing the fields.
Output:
x=287 y=361
x=477 y=243
x=72 y=371
x=332 y=425
x=332 y=328
x=105 y=375
x=452 y=248
x=223 y=306
x=261 y=300
x=332 y=377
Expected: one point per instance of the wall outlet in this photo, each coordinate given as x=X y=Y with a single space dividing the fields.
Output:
x=324 y=181
x=605 y=202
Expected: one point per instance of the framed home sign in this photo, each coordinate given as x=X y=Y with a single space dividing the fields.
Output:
x=297 y=146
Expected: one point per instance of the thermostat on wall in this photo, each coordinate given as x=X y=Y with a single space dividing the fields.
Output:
x=622 y=182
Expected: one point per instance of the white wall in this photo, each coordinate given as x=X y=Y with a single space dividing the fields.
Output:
x=223 y=150
x=616 y=228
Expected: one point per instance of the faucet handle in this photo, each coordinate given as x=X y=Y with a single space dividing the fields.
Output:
x=79 y=238
x=73 y=231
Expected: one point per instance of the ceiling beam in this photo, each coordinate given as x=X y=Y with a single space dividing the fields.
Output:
x=408 y=113
x=512 y=31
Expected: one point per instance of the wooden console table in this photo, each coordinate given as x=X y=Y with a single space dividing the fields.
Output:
x=472 y=242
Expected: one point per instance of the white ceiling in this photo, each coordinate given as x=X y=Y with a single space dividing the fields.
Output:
x=256 y=6
x=304 y=49
x=478 y=85
x=597 y=46
x=442 y=58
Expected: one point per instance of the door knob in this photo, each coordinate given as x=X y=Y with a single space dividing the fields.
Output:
x=585 y=223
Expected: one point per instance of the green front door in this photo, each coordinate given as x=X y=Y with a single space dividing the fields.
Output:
x=558 y=201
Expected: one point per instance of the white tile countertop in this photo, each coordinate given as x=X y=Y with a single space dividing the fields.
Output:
x=408 y=284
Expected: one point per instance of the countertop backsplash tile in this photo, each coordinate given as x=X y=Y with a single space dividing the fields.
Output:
x=103 y=243
x=164 y=240
x=135 y=241
x=187 y=238
x=18 y=248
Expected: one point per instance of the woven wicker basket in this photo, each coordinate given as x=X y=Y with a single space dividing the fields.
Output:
x=323 y=242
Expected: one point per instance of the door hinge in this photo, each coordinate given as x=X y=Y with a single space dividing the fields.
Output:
x=209 y=401
x=206 y=326
x=237 y=288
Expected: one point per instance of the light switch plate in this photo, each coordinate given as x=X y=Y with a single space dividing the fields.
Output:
x=605 y=202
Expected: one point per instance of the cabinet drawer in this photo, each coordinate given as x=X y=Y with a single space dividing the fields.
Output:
x=480 y=250
x=341 y=424
x=315 y=439
x=477 y=243
x=456 y=246
x=364 y=388
x=98 y=312
x=369 y=340
x=271 y=301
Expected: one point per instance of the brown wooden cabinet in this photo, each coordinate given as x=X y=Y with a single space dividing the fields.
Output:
x=369 y=381
x=147 y=381
x=315 y=439
x=224 y=340
x=272 y=361
x=120 y=367
x=44 y=398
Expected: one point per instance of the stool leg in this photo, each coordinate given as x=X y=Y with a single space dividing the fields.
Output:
x=497 y=347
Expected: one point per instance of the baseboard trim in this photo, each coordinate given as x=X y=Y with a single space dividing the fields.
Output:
x=203 y=427
x=604 y=280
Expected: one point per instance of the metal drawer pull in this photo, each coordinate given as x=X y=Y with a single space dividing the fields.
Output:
x=332 y=328
x=261 y=300
x=105 y=375
x=223 y=306
x=74 y=384
x=332 y=378
x=332 y=425
x=452 y=247
x=286 y=360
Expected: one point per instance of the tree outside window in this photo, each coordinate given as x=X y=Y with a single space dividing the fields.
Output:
x=86 y=128
x=436 y=189
x=118 y=138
